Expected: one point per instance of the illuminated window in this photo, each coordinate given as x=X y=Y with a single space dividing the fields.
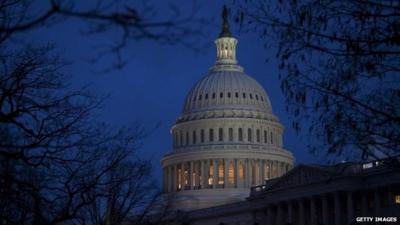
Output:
x=397 y=199
x=266 y=172
x=179 y=179
x=194 y=179
x=220 y=173
x=231 y=174
x=210 y=174
x=241 y=171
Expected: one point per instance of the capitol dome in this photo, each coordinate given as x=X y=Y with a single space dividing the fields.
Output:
x=227 y=138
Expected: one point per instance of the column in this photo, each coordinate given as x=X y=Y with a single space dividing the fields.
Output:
x=325 y=209
x=377 y=201
x=270 y=215
x=250 y=183
x=246 y=173
x=301 y=212
x=175 y=178
x=183 y=176
x=259 y=175
x=226 y=173
x=198 y=173
x=350 y=208
x=215 y=173
x=203 y=177
x=290 y=212
x=337 y=208
x=262 y=171
x=169 y=180
x=364 y=203
x=235 y=173
x=190 y=175
x=313 y=211
x=278 y=214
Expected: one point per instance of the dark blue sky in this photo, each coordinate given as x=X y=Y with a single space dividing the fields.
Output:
x=153 y=85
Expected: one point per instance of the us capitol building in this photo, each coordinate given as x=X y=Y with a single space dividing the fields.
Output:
x=228 y=165
x=227 y=138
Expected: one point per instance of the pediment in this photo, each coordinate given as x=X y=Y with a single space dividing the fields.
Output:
x=303 y=174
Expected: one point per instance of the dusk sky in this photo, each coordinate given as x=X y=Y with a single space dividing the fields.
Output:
x=152 y=87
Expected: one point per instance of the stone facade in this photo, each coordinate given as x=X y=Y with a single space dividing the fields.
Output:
x=316 y=195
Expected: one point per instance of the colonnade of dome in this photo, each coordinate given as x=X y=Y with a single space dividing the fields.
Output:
x=221 y=173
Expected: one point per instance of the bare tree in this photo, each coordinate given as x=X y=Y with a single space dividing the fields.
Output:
x=128 y=22
x=340 y=69
x=57 y=164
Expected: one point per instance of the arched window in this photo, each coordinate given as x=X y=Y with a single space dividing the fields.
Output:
x=265 y=136
x=251 y=96
x=207 y=96
x=249 y=138
x=221 y=95
x=236 y=95
x=258 y=135
x=244 y=95
x=211 y=135
x=194 y=137
x=220 y=134
x=202 y=136
x=213 y=95
x=257 y=97
x=240 y=134
x=230 y=134
x=187 y=138
x=231 y=174
x=229 y=95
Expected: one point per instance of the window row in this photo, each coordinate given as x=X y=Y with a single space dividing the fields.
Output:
x=228 y=95
x=218 y=135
